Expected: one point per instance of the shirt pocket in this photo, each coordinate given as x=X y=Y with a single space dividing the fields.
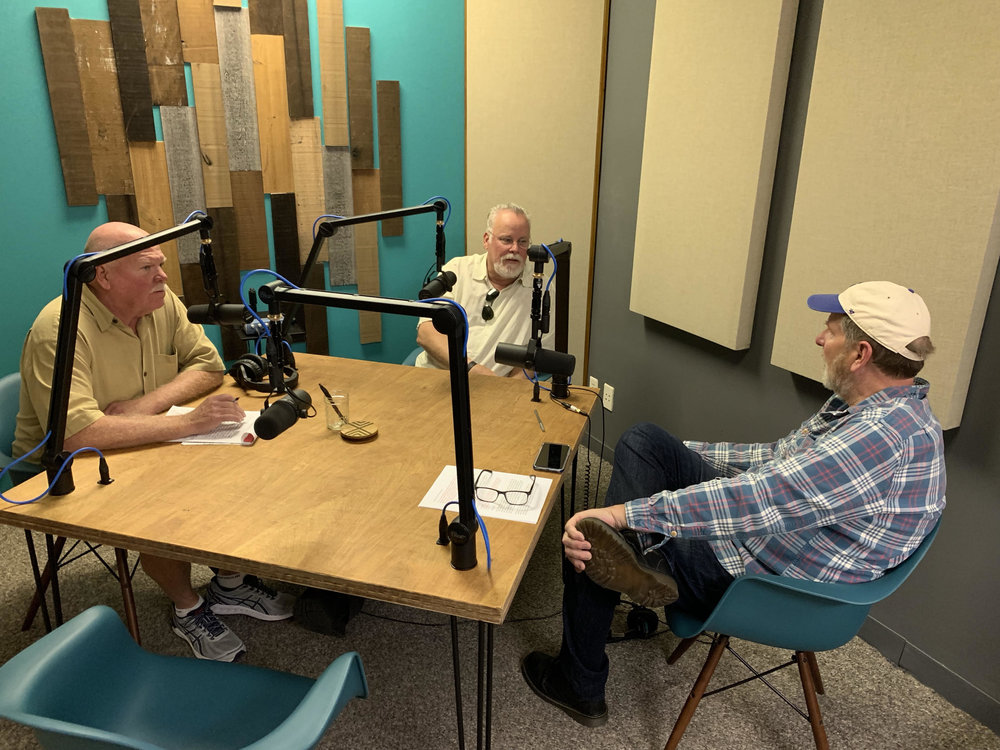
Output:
x=164 y=369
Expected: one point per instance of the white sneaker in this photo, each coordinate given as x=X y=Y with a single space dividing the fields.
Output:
x=251 y=598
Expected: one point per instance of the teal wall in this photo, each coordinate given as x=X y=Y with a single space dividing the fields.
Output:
x=422 y=45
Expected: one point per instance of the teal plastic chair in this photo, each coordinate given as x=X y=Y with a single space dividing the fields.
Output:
x=411 y=358
x=787 y=613
x=10 y=390
x=88 y=685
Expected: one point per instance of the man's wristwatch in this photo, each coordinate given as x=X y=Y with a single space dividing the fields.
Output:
x=472 y=363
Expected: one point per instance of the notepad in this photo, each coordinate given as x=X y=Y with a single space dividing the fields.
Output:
x=227 y=433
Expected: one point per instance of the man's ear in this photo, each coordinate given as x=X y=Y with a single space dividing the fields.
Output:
x=485 y=239
x=863 y=355
x=101 y=277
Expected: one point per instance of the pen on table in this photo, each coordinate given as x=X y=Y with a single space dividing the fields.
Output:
x=329 y=400
x=539 y=420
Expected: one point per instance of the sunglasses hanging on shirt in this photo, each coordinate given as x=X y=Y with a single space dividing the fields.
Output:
x=491 y=295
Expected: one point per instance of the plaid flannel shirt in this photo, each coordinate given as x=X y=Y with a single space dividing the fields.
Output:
x=845 y=497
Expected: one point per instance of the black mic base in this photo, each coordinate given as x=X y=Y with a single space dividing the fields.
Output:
x=463 y=555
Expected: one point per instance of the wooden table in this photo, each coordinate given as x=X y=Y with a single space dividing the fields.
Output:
x=311 y=508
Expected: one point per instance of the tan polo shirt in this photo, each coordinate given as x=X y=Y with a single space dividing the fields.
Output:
x=112 y=363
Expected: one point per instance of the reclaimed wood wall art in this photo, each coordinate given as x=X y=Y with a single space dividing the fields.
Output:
x=173 y=106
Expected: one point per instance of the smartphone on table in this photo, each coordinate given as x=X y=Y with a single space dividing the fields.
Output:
x=552 y=457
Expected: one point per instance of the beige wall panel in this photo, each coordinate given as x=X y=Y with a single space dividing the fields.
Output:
x=152 y=199
x=713 y=115
x=899 y=177
x=211 y=116
x=307 y=169
x=532 y=104
x=333 y=71
x=99 y=83
x=272 y=112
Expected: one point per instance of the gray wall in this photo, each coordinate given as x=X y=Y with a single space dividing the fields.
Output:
x=943 y=624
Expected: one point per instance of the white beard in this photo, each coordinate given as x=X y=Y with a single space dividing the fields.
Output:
x=506 y=271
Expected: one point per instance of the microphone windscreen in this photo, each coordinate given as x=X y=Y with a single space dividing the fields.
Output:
x=515 y=355
x=437 y=286
x=230 y=315
x=282 y=414
x=554 y=363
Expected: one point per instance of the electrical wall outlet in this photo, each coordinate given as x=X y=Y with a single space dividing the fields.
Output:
x=609 y=397
x=593 y=382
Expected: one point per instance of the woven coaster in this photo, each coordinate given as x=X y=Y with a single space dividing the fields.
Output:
x=358 y=431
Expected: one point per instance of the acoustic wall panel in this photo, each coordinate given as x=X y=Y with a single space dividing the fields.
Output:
x=899 y=177
x=713 y=116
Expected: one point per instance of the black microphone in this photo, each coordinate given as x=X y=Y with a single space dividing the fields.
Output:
x=533 y=357
x=437 y=286
x=282 y=414
x=230 y=315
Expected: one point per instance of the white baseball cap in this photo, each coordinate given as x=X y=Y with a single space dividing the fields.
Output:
x=891 y=314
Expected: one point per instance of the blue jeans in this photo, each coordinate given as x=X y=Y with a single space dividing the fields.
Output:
x=648 y=459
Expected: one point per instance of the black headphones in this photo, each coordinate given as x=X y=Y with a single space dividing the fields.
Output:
x=641 y=622
x=251 y=374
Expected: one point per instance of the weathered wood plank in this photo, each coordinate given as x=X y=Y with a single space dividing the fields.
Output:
x=339 y=202
x=66 y=98
x=266 y=17
x=152 y=198
x=251 y=221
x=298 y=60
x=390 y=153
x=122 y=207
x=164 y=54
x=271 y=91
x=359 y=96
x=211 y=116
x=307 y=171
x=99 y=82
x=238 y=97
x=333 y=72
x=133 y=73
x=226 y=255
x=366 y=201
x=187 y=189
x=197 y=25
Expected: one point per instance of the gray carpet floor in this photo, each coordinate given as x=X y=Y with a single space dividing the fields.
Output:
x=869 y=703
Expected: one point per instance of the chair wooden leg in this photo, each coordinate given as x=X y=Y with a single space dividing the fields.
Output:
x=814 y=668
x=815 y=717
x=680 y=649
x=714 y=654
x=42 y=585
x=128 y=599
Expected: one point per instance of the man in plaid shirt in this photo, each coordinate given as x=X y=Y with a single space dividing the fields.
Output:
x=846 y=496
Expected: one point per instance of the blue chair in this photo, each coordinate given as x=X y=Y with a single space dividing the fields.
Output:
x=10 y=390
x=786 y=613
x=411 y=358
x=87 y=684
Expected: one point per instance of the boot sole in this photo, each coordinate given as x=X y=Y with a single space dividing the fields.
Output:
x=616 y=566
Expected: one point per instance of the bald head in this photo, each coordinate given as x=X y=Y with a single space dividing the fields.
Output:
x=112 y=234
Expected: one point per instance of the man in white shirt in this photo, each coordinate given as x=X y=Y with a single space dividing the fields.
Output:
x=496 y=295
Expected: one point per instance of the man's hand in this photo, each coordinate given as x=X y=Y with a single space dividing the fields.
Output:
x=213 y=411
x=575 y=546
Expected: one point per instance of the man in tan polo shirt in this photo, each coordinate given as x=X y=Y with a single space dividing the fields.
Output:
x=136 y=356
